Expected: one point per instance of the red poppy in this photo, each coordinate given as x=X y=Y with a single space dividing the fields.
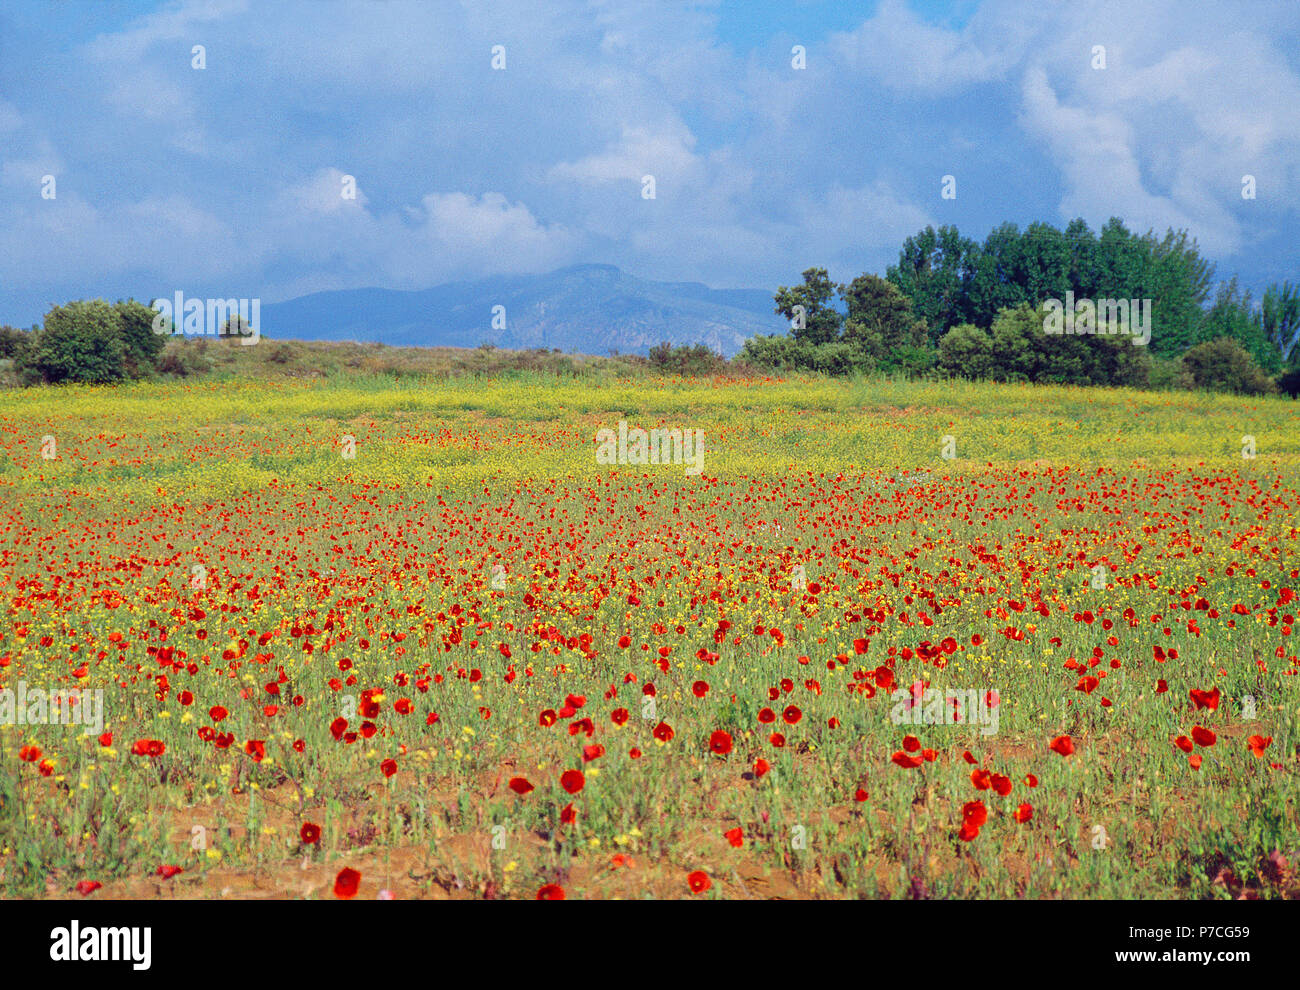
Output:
x=572 y=781
x=699 y=882
x=720 y=742
x=906 y=762
x=1203 y=737
x=1205 y=699
x=736 y=836
x=1024 y=813
x=792 y=714
x=551 y=892
x=168 y=871
x=310 y=833
x=520 y=785
x=859 y=795
x=663 y=732
x=388 y=767
x=911 y=743
x=85 y=887
x=761 y=766
x=346 y=883
x=1063 y=745
x=1258 y=744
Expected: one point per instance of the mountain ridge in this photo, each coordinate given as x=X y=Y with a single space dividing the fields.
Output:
x=591 y=308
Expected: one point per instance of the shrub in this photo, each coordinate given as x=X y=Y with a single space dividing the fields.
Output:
x=81 y=342
x=686 y=360
x=1168 y=373
x=141 y=346
x=966 y=351
x=1225 y=365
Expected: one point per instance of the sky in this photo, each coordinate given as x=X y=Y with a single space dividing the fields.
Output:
x=229 y=180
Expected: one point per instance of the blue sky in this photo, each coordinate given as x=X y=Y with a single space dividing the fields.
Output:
x=227 y=181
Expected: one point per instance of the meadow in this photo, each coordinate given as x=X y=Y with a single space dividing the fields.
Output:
x=367 y=636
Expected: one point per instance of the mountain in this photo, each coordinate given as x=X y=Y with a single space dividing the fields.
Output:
x=590 y=309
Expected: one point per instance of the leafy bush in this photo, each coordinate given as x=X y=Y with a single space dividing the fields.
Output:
x=686 y=360
x=1170 y=374
x=966 y=351
x=1225 y=365
x=783 y=353
x=141 y=346
x=81 y=342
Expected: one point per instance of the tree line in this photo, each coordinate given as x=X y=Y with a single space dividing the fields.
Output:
x=956 y=307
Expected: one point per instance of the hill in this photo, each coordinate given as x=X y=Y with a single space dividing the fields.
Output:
x=591 y=309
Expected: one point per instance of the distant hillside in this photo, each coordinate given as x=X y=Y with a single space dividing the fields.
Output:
x=591 y=309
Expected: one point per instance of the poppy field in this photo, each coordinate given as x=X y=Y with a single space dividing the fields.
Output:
x=383 y=638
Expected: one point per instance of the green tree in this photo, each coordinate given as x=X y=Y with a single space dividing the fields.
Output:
x=1280 y=312
x=1177 y=281
x=14 y=342
x=934 y=271
x=1233 y=316
x=880 y=320
x=808 y=306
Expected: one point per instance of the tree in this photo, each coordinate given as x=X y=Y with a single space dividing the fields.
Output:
x=880 y=320
x=14 y=342
x=993 y=285
x=1280 y=312
x=81 y=342
x=1177 y=280
x=1233 y=316
x=934 y=271
x=807 y=306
